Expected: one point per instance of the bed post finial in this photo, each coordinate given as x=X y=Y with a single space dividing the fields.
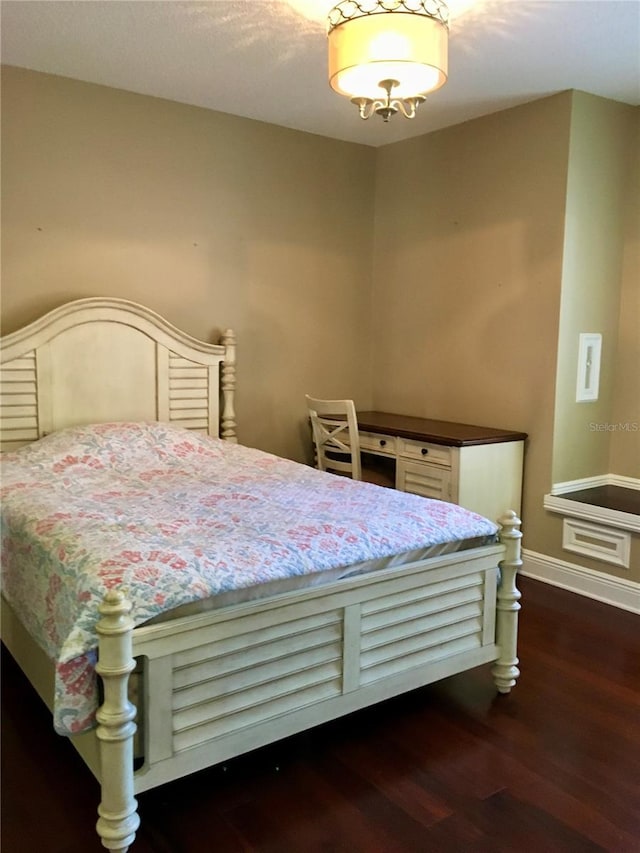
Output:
x=229 y=387
x=118 y=819
x=505 y=670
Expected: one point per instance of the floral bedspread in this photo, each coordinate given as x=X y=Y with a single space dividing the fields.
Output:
x=173 y=517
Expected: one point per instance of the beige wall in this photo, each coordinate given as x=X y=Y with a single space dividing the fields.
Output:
x=599 y=167
x=210 y=220
x=439 y=295
x=470 y=269
x=467 y=273
x=625 y=440
x=600 y=293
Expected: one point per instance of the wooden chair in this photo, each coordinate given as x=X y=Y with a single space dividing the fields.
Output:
x=335 y=436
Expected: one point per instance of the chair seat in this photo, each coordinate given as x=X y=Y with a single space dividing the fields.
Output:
x=337 y=444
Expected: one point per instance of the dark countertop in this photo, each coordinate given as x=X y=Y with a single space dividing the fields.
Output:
x=608 y=497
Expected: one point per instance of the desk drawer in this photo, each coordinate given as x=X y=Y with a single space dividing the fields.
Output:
x=420 y=478
x=435 y=454
x=376 y=443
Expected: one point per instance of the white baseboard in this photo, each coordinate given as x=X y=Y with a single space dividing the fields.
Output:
x=579 y=485
x=611 y=590
x=623 y=482
x=595 y=482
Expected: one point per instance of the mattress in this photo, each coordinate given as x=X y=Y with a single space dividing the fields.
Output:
x=180 y=520
x=314 y=579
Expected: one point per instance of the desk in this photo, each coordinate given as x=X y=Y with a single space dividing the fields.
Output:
x=479 y=468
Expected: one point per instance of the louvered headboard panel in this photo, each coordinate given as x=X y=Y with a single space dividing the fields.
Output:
x=19 y=400
x=100 y=360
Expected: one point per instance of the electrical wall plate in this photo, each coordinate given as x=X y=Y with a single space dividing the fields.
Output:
x=588 y=382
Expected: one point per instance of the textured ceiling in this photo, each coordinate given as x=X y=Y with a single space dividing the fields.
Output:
x=266 y=59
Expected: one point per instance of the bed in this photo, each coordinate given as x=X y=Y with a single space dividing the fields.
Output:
x=360 y=595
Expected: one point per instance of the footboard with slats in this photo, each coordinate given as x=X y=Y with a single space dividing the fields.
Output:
x=219 y=684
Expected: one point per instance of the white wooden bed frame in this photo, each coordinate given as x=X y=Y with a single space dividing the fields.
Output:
x=224 y=682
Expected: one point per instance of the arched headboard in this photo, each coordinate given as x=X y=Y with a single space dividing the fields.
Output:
x=98 y=360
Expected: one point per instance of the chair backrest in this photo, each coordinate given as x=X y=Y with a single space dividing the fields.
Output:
x=335 y=436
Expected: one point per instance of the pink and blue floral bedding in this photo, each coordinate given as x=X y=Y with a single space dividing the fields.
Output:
x=174 y=517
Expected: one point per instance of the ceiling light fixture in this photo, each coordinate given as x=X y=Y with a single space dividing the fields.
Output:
x=397 y=46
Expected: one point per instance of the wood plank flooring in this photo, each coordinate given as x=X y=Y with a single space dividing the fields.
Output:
x=555 y=766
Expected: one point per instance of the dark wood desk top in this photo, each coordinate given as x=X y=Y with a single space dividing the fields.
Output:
x=436 y=432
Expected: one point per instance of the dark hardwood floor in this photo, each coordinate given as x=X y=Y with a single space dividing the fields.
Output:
x=555 y=766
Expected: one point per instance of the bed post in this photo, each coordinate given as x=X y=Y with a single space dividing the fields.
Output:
x=505 y=670
x=229 y=387
x=118 y=819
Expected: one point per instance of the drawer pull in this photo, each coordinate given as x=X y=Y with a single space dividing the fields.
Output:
x=424 y=451
x=383 y=441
